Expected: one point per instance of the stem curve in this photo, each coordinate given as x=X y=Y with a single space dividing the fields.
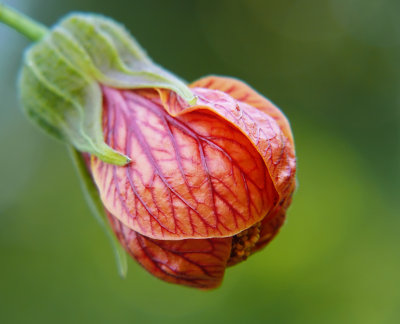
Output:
x=28 y=27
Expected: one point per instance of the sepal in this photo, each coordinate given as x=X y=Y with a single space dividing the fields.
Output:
x=62 y=73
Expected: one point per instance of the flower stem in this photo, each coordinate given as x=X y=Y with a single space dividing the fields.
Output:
x=21 y=23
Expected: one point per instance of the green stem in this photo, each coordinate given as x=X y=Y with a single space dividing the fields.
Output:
x=21 y=23
x=95 y=204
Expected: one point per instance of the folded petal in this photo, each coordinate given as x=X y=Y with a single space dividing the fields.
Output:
x=257 y=118
x=196 y=263
x=242 y=92
x=193 y=175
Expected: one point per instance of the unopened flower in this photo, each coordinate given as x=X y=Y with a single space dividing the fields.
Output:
x=192 y=179
x=208 y=184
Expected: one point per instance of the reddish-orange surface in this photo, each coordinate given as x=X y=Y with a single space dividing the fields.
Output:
x=199 y=176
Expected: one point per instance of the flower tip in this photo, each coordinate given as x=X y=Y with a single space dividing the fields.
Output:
x=112 y=157
x=124 y=160
x=193 y=101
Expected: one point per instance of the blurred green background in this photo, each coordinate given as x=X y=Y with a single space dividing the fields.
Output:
x=332 y=66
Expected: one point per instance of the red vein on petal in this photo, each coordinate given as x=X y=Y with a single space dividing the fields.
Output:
x=157 y=168
x=199 y=138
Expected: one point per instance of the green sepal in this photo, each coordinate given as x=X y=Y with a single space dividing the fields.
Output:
x=61 y=77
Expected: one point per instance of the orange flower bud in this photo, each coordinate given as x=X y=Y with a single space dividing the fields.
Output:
x=208 y=184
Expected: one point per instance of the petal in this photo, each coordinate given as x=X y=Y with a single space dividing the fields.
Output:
x=270 y=134
x=195 y=175
x=242 y=92
x=270 y=226
x=196 y=263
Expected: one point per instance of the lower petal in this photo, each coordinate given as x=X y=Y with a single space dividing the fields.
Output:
x=197 y=263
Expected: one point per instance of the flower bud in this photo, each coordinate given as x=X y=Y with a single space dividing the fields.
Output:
x=207 y=185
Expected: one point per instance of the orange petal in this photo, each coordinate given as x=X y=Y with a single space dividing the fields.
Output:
x=270 y=134
x=196 y=263
x=272 y=223
x=270 y=227
x=242 y=92
x=195 y=175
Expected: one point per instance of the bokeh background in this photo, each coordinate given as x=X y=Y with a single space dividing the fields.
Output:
x=332 y=66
